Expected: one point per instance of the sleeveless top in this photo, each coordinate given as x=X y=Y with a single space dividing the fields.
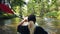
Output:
x=25 y=30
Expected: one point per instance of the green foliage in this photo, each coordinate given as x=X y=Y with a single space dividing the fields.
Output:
x=17 y=2
x=37 y=7
x=52 y=14
x=4 y=15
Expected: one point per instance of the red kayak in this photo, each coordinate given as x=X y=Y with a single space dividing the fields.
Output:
x=6 y=9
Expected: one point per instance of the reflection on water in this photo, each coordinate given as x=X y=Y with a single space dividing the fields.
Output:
x=52 y=26
x=7 y=22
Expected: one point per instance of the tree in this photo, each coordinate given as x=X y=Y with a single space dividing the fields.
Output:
x=19 y=3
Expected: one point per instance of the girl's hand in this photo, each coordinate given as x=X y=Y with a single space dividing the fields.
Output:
x=25 y=19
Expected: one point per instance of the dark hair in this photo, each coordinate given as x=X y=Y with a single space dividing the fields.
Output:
x=32 y=18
